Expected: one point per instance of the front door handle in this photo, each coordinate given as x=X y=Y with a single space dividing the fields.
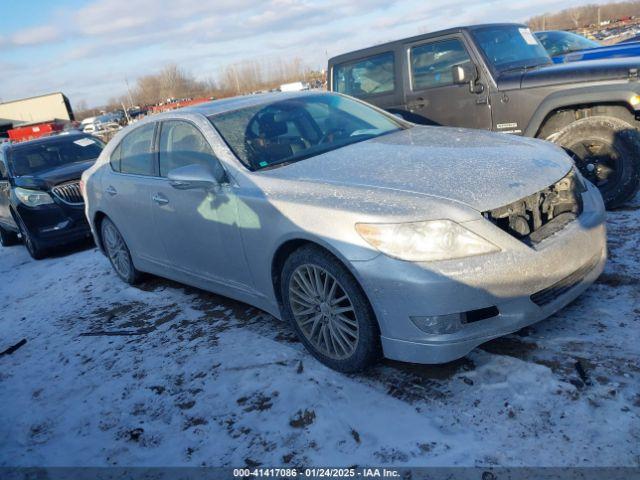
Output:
x=160 y=199
x=111 y=190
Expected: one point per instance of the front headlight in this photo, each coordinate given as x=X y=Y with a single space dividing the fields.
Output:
x=32 y=198
x=424 y=241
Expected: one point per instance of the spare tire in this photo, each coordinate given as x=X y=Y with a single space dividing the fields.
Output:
x=606 y=150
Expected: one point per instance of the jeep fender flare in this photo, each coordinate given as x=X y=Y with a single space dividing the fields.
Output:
x=607 y=94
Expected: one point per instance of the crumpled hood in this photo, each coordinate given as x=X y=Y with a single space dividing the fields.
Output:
x=480 y=169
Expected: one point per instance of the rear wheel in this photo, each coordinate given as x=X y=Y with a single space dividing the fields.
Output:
x=8 y=238
x=606 y=150
x=118 y=252
x=329 y=311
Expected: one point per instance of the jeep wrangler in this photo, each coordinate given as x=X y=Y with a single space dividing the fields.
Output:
x=499 y=77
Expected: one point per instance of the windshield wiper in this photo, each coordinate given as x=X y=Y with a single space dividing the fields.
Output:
x=524 y=67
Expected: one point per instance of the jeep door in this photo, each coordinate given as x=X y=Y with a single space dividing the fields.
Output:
x=430 y=93
x=198 y=226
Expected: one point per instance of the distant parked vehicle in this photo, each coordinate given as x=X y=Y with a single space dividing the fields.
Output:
x=294 y=87
x=108 y=121
x=566 y=47
x=370 y=235
x=634 y=38
x=499 y=77
x=40 y=198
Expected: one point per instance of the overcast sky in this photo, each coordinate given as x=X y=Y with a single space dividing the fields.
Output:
x=88 y=49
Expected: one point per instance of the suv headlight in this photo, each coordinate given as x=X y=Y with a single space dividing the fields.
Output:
x=424 y=241
x=32 y=198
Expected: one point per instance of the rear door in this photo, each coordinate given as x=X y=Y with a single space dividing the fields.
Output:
x=429 y=90
x=127 y=188
x=199 y=228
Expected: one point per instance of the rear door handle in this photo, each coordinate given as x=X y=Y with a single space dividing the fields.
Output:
x=160 y=199
x=111 y=190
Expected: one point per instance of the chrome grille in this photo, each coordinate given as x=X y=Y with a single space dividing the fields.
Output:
x=69 y=193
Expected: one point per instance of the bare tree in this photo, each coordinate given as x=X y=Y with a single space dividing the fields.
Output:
x=575 y=18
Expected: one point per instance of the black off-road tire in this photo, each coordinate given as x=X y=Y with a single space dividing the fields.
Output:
x=368 y=349
x=35 y=250
x=605 y=134
x=130 y=274
x=8 y=238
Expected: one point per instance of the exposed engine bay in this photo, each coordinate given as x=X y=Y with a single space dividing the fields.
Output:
x=538 y=216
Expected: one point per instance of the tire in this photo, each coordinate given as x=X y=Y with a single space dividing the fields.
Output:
x=324 y=327
x=606 y=150
x=34 y=249
x=118 y=253
x=8 y=238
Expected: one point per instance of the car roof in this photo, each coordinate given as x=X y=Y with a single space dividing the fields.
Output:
x=425 y=36
x=44 y=140
x=235 y=103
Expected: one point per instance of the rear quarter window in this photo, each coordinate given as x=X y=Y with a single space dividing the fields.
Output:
x=371 y=76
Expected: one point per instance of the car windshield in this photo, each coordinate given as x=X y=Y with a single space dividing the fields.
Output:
x=559 y=43
x=30 y=159
x=293 y=129
x=510 y=47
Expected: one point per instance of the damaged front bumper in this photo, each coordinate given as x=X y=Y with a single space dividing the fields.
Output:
x=491 y=295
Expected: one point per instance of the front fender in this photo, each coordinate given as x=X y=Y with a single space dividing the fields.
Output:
x=588 y=95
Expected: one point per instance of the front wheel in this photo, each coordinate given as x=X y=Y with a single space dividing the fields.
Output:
x=118 y=252
x=329 y=311
x=34 y=249
x=606 y=150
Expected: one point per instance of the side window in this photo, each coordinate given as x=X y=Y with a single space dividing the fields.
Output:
x=182 y=144
x=135 y=151
x=371 y=76
x=431 y=64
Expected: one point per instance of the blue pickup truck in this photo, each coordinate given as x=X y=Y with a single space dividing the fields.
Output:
x=564 y=47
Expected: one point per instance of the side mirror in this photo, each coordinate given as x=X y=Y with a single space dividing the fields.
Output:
x=467 y=74
x=194 y=176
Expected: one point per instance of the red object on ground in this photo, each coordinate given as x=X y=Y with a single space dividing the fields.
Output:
x=179 y=104
x=36 y=130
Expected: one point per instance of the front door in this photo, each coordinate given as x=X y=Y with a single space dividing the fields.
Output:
x=198 y=227
x=430 y=94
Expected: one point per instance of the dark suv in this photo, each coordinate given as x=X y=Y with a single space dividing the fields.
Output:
x=499 y=77
x=40 y=197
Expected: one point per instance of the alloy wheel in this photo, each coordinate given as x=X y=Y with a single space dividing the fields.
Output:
x=117 y=250
x=323 y=311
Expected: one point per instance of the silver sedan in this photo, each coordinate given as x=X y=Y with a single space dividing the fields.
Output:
x=371 y=236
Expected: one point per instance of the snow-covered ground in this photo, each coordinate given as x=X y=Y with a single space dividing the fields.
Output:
x=168 y=375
